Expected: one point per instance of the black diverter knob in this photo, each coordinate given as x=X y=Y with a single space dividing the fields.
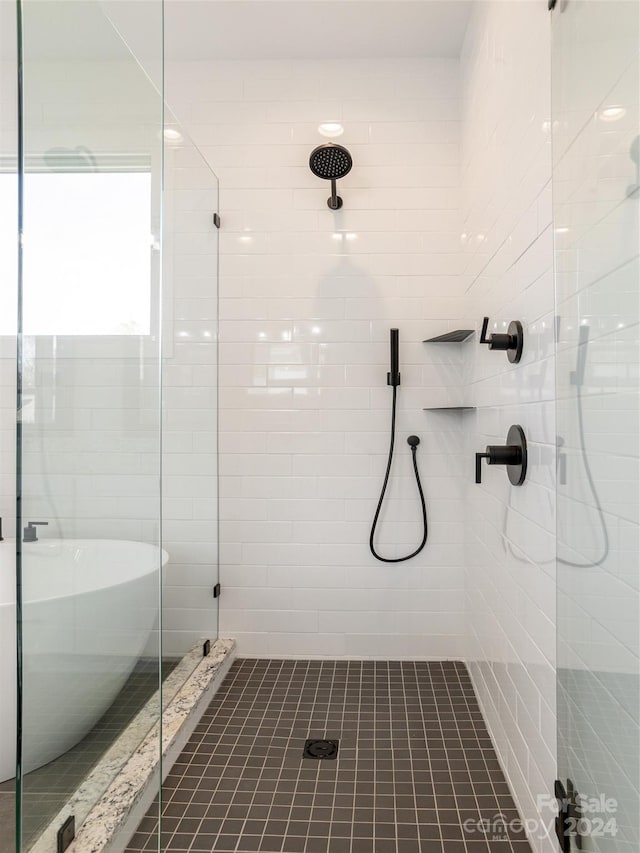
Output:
x=511 y=343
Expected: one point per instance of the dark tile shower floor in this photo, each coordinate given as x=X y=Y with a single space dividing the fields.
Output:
x=415 y=772
x=46 y=790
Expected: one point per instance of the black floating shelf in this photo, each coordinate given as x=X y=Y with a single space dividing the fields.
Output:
x=455 y=337
x=448 y=408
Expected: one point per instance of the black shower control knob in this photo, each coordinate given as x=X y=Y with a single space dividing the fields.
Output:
x=500 y=342
x=511 y=342
x=504 y=454
x=513 y=454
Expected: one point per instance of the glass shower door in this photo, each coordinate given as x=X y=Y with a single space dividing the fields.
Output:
x=89 y=421
x=596 y=191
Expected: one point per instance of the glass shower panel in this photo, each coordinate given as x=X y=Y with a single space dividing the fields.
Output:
x=190 y=398
x=89 y=449
x=8 y=297
x=596 y=194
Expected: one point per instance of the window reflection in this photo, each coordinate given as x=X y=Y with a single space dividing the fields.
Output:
x=87 y=253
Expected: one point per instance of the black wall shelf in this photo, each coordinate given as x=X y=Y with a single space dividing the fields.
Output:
x=455 y=337
x=448 y=408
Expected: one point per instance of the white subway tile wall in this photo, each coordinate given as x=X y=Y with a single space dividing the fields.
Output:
x=307 y=299
x=507 y=273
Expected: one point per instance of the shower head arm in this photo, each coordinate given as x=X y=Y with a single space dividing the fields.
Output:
x=335 y=202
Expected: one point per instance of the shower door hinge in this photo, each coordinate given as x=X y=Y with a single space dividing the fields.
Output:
x=66 y=834
x=563 y=826
x=206 y=648
x=216 y=220
x=216 y=591
x=568 y=822
x=551 y=4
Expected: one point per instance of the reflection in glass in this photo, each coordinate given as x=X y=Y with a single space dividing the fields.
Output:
x=89 y=450
x=595 y=121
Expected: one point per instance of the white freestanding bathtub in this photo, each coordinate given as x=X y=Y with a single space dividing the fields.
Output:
x=89 y=608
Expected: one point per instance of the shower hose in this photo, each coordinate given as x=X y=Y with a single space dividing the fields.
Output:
x=413 y=442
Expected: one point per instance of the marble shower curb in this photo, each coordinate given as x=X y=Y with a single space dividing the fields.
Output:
x=114 y=818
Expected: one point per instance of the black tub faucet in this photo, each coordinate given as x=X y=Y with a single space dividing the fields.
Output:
x=30 y=532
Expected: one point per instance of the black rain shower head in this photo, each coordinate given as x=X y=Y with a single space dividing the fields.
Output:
x=331 y=162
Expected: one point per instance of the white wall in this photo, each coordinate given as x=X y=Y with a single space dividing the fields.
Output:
x=307 y=300
x=508 y=258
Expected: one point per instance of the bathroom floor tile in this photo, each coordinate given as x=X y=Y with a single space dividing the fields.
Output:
x=415 y=772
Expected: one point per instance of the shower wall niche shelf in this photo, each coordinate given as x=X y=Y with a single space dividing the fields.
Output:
x=448 y=408
x=455 y=337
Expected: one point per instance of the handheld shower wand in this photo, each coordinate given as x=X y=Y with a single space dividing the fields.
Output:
x=393 y=379
x=393 y=376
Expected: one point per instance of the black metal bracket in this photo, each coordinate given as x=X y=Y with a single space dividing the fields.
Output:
x=551 y=4
x=216 y=220
x=513 y=454
x=66 y=834
x=206 y=648
x=216 y=591
x=511 y=343
x=562 y=820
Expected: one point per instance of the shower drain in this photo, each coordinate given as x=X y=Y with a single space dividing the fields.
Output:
x=317 y=748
